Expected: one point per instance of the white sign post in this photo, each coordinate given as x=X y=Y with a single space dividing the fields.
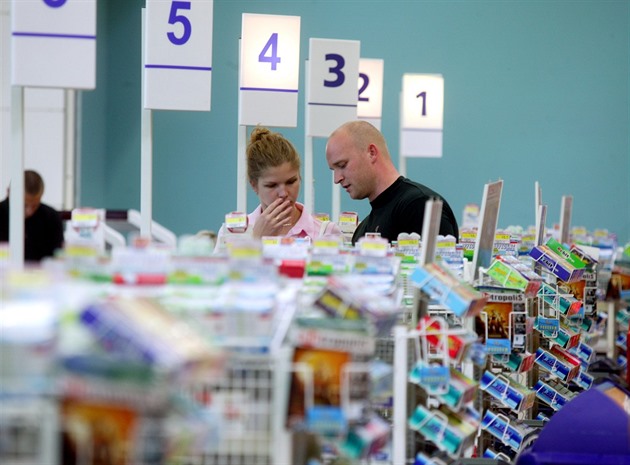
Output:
x=488 y=220
x=370 y=106
x=178 y=55
x=53 y=44
x=331 y=100
x=566 y=208
x=269 y=72
x=422 y=115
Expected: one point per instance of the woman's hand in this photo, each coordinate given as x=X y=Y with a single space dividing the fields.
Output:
x=274 y=219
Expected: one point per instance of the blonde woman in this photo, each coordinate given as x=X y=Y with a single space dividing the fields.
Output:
x=273 y=171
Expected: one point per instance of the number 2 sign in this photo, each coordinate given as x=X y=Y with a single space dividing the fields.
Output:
x=422 y=115
x=269 y=70
x=370 y=89
x=178 y=55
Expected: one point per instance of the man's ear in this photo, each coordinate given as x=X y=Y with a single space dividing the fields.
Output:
x=254 y=186
x=372 y=152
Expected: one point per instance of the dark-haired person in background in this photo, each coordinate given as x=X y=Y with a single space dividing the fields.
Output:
x=43 y=229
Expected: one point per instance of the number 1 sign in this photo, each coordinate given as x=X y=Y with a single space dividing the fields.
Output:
x=422 y=115
x=269 y=70
x=53 y=43
x=178 y=55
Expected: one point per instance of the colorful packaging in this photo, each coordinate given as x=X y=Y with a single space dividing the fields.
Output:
x=556 y=264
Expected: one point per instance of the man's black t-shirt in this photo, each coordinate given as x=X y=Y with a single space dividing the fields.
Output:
x=400 y=209
x=43 y=231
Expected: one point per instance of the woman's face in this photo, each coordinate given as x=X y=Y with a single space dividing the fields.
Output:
x=278 y=182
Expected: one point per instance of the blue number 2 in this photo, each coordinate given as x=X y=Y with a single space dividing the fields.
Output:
x=174 y=18
x=364 y=85
x=54 y=3
x=272 y=47
x=335 y=70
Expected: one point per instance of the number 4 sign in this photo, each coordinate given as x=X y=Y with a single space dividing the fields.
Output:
x=422 y=115
x=269 y=70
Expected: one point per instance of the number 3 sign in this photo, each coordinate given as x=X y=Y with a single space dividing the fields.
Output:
x=333 y=73
x=269 y=70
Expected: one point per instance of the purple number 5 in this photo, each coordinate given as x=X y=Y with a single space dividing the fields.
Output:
x=175 y=18
x=55 y=3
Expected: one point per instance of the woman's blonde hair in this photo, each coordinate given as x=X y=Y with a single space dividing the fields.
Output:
x=268 y=149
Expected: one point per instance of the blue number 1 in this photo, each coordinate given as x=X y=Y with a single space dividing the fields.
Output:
x=272 y=47
x=424 y=102
x=54 y=3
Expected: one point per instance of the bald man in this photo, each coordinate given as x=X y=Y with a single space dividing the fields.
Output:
x=357 y=154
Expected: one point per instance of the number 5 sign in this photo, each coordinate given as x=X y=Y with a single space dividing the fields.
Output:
x=178 y=55
x=269 y=70
x=422 y=115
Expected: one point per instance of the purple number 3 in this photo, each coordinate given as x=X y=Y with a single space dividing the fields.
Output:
x=55 y=3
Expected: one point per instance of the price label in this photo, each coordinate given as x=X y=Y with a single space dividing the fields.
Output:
x=422 y=115
x=178 y=55
x=236 y=222
x=53 y=43
x=84 y=218
x=332 y=74
x=269 y=70
x=349 y=218
x=370 y=104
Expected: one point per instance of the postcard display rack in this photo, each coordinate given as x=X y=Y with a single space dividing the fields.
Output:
x=535 y=315
x=156 y=357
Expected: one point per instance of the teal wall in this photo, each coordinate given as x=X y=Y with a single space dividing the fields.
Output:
x=534 y=91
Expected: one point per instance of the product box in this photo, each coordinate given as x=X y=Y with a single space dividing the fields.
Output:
x=505 y=430
x=583 y=380
x=449 y=431
x=446 y=289
x=566 y=337
x=556 y=264
x=434 y=378
x=583 y=351
x=520 y=362
x=573 y=259
x=558 y=362
x=511 y=273
x=550 y=395
x=458 y=344
x=563 y=302
x=510 y=393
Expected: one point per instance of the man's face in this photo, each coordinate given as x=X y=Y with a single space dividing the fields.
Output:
x=31 y=204
x=351 y=167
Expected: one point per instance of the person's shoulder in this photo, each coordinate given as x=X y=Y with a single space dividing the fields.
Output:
x=49 y=209
x=48 y=212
